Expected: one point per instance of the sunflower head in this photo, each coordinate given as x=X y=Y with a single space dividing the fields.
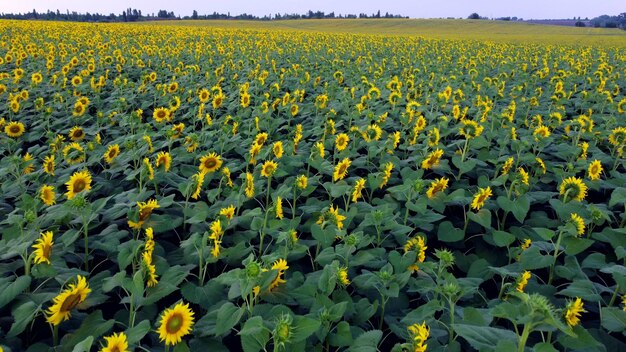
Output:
x=43 y=248
x=573 y=311
x=47 y=195
x=341 y=141
x=79 y=181
x=115 y=343
x=175 y=323
x=112 y=152
x=341 y=169
x=67 y=300
x=210 y=162
x=594 y=170
x=269 y=168
x=573 y=188
x=14 y=129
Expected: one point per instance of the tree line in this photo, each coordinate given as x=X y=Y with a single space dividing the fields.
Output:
x=135 y=15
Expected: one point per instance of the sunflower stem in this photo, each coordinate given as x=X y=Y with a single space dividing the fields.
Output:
x=614 y=296
x=55 y=335
x=556 y=254
x=522 y=340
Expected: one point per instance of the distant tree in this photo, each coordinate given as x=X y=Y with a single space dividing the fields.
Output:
x=194 y=15
x=473 y=16
x=580 y=23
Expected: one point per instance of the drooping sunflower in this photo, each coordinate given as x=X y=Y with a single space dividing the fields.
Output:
x=342 y=276
x=145 y=210
x=594 y=170
x=76 y=134
x=79 y=181
x=507 y=165
x=199 y=181
x=358 y=189
x=161 y=114
x=480 y=197
x=386 y=174
x=175 y=323
x=249 y=185
x=319 y=146
x=210 y=163
x=437 y=186
x=14 y=129
x=432 y=159
x=47 y=195
x=112 y=152
x=433 y=137
x=524 y=177
x=542 y=165
x=165 y=159
x=522 y=281
x=281 y=266
x=278 y=208
x=115 y=343
x=43 y=248
x=341 y=141
x=268 y=169
x=67 y=300
x=341 y=170
x=573 y=311
x=573 y=188
x=48 y=164
x=419 y=245
x=621 y=106
x=28 y=164
x=579 y=223
x=146 y=163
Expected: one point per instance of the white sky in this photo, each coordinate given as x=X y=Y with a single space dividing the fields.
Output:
x=527 y=9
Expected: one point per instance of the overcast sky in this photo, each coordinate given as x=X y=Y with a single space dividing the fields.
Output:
x=527 y=9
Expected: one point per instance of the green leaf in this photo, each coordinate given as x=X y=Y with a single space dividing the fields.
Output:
x=342 y=336
x=448 y=233
x=581 y=288
x=23 y=315
x=482 y=217
x=532 y=259
x=323 y=236
x=613 y=319
x=367 y=341
x=544 y=347
x=84 y=345
x=618 y=196
x=575 y=245
x=483 y=338
x=168 y=283
x=254 y=336
x=93 y=325
x=137 y=332
x=545 y=234
x=10 y=291
x=181 y=347
x=502 y=238
x=228 y=316
x=304 y=327
x=518 y=207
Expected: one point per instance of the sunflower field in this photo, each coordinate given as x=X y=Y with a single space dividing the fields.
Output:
x=193 y=188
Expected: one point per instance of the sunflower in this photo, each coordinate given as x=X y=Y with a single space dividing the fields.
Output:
x=524 y=177
x=161 y=114
x=621 y=106
x=419 y=245
x=342 y=276
x=572 y=312
x=48 y=164
x=302 y=181
x=165 y=159
x=47 y=196
x=112 y=152
x=542 y=165
x=43 y=248
x=115 y=343
x=541 y=132
x=210 y=163
x=67 y=300
x=268 y=169
x=341 y=170
x=228 y=212
x=76 y=81
x=432 y=160
x=226 y=173
x=172 y=87
x=249 y=185
x=419 y=333
x=579 y=223
x=294 y=109
x=594 y=170
x=433 y=137
x=372 y=133
x=507 y=165
x=332 y=216
x=204 y=95
x=386 y=174
x=341 y=141
x=177 y=130
x=437 y=186
x=79 y=109
x=261 y=138
x=73 y=153
x=245 y=100
x=358 y=189
x=279 y=208
x=199 y=180
x=79 y=181
x=148 y=166
x=217 y=101
x=617 y=137
x=175 y=323
x=480 y=197
x=281 y=266
x=14 y=129
x=522 y=281
x=29 y=167
x=573 y=188
x=277 y=149
x=470 y=129
x=319 y=146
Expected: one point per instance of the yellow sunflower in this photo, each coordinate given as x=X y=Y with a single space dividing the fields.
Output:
x=14 y=129
x=268 y=169
x=522 y=281
x=210 y=162
x=541 y=132
x=112 y=152
x=249 y=185
x=73 y=153
x=594 y=170
x=342 y=276
x=302 y=181
x=145 y=210
x=573 y=188
x=161 y=114
x=437 y=186
x=277 y=149
x=507 y=165
x=419 y=245
x=165 y=159
x=524 y=177
x=47 y=195
x=572 y=312
x=204 y=95
x=48 y=164
x=175 y=323
x=76 y=134
x=579 y=222
x=79 y=181
x=480 y=197
x=331 y=216
x=218 y=99
x=616 y=138
x=279 y=208
x=67 y=300
x=260 y=138
x=386 y=174
x=281 y=266
x=228 y=212
x=43 y=248
x=470 y=129
x=358 y=189
x=432 y=160
x=341 y=170
x=115 y=343
x=79 y=109
x=341 y=141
